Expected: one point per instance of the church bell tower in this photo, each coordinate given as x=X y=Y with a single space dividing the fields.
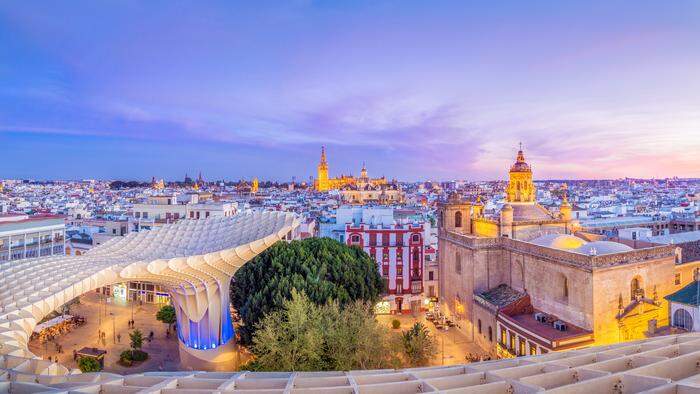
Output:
x=322 y=183
x=520 y=188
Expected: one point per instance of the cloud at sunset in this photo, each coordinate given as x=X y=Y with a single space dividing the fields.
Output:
x=438 y=91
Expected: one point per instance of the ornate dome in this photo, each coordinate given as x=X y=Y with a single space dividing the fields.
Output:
x=560 y=241
x=603 y=247
x=520 y=165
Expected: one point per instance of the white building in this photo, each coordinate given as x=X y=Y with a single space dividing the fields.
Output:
x=26 y=237
x=162 y=209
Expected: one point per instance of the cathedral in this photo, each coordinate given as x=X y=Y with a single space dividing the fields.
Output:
x=520 y=218
x=525 y=281
x=324 y=183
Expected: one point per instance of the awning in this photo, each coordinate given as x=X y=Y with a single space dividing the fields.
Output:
x=51 y=323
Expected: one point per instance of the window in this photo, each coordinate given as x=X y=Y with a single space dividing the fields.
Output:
x=399 y=287
x=458 y=262
x=458 y=219
x=207 y=214
x=355 y=239
x=478 y=326
x=385 y=270
x=636 y=288
x=682 y=319
x=490 y=334
x=137 y=214
x=373 y=239
x=430 y=275
x=416 y=287
x=416 y=238
x=431 y=291
x=191 y=214
x=677 y=279
x=399 y=270
x=145 y=215
x=416 y=256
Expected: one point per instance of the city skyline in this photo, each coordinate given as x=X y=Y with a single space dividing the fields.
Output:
x=445 y=91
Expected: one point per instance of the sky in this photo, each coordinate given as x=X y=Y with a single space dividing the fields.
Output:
x=416 y=89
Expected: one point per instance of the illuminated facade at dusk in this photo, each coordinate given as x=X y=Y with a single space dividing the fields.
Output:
x=526 y=281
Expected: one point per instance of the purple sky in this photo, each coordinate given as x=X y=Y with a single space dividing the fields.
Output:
x=417 y=89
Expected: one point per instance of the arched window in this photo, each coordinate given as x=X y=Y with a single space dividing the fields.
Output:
x=458 y=219
x=636 y=288
x=478 y=325
x=682 y=319
x=563 y=290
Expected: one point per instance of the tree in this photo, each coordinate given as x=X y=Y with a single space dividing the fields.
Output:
x=418 y=345
x=89 y=364
x=304 y=336
x=322 y=268
x=167 y=315
x=136 y=339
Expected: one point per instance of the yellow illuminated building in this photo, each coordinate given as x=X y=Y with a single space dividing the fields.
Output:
x=520 y=186
x=254 y=185
x=522 y=280
x=324 y=183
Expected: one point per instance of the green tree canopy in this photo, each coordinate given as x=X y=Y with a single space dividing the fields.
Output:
x=166 y=314
x=419 y=345
x=322 y=268
x=304 y=336
x=136 y=339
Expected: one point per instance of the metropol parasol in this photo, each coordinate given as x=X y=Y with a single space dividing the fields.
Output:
x=196 y=259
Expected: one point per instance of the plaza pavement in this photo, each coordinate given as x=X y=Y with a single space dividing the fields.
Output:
x=452 y=343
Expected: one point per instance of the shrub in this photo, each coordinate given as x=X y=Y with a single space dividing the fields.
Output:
x=125 y=358
x=395 y=324
x=89 y=364
x=128 y=357
x=139 y=355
